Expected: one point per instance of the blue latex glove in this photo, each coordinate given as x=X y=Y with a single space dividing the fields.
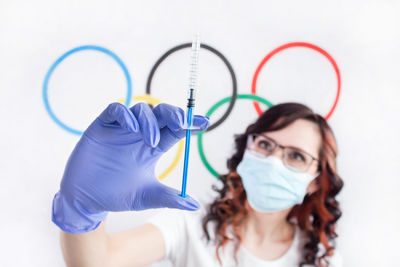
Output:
x=112 y=166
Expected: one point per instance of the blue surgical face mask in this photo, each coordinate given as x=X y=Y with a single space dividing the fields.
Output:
x=269 y=184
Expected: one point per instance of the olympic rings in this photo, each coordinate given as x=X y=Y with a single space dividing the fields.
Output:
x=297 y=44
x=154 y=101
x=222 y=57
x=209 y=113
x=64 y=56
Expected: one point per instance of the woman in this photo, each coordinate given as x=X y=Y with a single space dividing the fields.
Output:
x=277 y=205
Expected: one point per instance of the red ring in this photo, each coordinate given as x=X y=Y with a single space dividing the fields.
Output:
x=296 y=44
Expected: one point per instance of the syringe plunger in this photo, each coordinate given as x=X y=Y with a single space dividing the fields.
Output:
x=191 y=98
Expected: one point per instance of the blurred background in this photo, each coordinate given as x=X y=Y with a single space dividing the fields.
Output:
x=48 y=97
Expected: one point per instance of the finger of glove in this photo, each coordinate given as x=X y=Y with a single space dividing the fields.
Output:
x=171 y=120
x=148 y=124
x=169 y=138
x=200 y=121
x=118 y=114
x=174 y=118
x=169 y=116
x=160 y=196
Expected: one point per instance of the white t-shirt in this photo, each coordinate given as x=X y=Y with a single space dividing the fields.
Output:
x=187 y=246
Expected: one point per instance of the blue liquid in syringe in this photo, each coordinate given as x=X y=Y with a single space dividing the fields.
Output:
x=190 y=106
x=187 y=148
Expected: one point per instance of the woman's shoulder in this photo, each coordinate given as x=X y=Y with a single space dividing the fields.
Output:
x=335 y=260
x=186 y=222
x=183 y=233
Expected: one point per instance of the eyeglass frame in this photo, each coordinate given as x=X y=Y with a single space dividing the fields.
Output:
x=283 y=148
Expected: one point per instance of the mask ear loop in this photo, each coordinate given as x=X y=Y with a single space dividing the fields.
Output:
x=319 y=170
x=250 y=141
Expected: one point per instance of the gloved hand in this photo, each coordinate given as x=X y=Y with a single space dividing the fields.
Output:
x=112 y=166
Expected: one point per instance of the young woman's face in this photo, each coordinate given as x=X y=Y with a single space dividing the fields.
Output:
x=301 y=134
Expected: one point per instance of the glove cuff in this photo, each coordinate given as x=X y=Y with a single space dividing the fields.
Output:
x=72 y=217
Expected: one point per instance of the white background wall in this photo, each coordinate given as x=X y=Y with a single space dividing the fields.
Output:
x=362 y=36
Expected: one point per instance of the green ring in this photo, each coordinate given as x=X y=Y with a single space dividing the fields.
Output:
x=210 y=112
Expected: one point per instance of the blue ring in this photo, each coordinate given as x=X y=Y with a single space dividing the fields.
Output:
x=64 y=56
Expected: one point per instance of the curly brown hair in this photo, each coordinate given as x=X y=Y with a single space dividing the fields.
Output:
x=316 y=215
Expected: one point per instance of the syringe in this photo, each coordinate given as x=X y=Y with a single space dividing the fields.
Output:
x=190 y=107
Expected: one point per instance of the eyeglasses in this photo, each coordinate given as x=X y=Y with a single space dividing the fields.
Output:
x=293 y=158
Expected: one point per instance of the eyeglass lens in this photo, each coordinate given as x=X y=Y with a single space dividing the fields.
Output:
x=292 y=157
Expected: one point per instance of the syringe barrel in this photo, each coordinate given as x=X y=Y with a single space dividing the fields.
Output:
x=193 y=71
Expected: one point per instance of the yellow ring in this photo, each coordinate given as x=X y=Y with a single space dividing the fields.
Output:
x=154 y=101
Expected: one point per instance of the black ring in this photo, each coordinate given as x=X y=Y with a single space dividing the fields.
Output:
x=213 y=50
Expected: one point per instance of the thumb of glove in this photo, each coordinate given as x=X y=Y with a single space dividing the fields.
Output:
x=162 y=196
